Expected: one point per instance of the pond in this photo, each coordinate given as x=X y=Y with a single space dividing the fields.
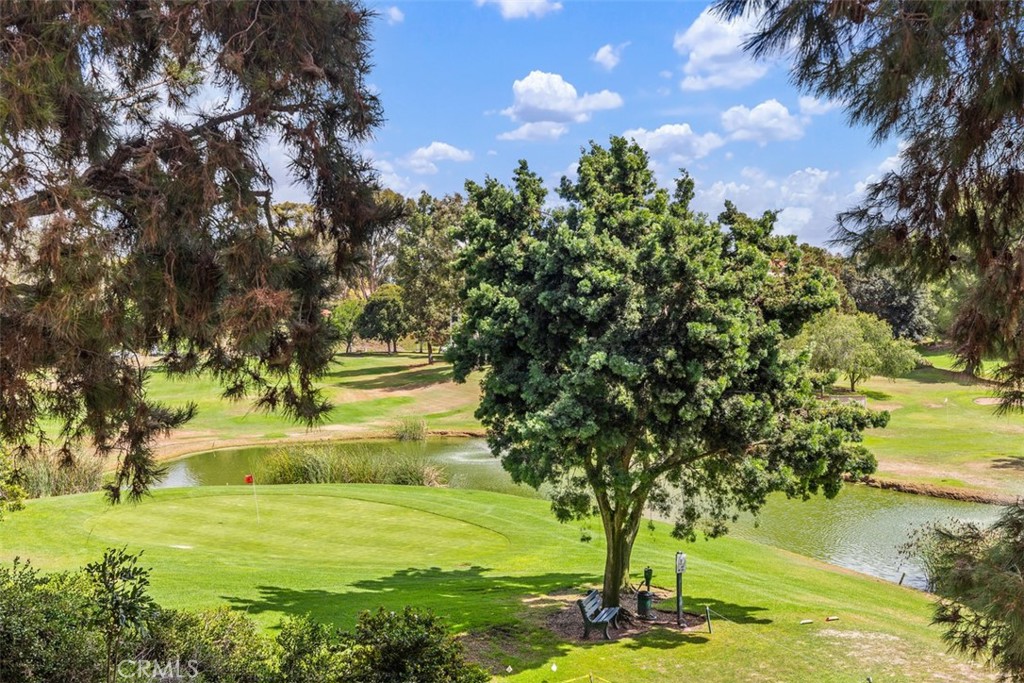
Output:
x=861 y=529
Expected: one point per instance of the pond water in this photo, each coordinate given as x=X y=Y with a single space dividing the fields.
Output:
x=862 y=528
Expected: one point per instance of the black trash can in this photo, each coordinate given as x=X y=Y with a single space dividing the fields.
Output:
x=644 y=605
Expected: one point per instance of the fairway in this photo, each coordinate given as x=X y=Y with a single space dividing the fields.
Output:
x=940 y=435
x=487 y=561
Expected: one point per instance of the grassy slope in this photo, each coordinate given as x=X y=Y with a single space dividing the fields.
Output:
x=475 y=556
x=369 y=392
x=938 y=435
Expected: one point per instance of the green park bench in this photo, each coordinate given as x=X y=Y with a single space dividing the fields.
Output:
x=594 y=615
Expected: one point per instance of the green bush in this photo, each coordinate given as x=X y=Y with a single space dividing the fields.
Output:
x=407 y=647
x=327 y=465
x=100 y=625
x=44 y=630
x=311 y=651
x=216 y=645
x=409 y=429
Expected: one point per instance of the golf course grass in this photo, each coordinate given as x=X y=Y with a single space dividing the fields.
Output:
x=938 y=436
x=370 y=393
x=490 y=563
x=944 y=432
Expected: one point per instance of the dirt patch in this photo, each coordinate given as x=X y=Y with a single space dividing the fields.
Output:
x=988 y=401
x=567 y=623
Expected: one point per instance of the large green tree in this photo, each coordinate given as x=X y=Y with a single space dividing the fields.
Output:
x=906 y=306
x=858 y=346
x=633 y=354
x=947 y=79
x=345 y=317
x=384 y=317
x=135 y=208
x=425 y=269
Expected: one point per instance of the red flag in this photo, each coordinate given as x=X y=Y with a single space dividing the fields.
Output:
x=248 y=479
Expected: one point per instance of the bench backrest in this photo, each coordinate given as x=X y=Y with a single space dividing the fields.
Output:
x=591 y=604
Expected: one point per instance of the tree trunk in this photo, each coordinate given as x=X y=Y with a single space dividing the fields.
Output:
x=348 y=347
x=853 y=385
x=430 y=353
x=616 y=564
x=421 y=346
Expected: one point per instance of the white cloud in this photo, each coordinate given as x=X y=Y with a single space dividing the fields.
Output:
x=665 y=73
x=714 y=53
x=545 y=102
x=677 y=140
x=807 y=199
x=768 y=121
x=538 y=130
x=522 y=9
x=543 y=96
x=392 y=179
x=812 y=106
x=394 y=15
x=608 y=56
x=422 y=160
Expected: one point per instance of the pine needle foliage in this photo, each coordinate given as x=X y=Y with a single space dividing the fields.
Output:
x=135 y=209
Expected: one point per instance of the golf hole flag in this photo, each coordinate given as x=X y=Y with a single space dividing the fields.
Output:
x=255 y=500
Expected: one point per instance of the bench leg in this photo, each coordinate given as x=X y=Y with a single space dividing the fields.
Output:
x=586 y=631
x=606 y=625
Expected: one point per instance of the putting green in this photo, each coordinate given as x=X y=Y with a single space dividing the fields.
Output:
x=490 y=563
x=306 y=528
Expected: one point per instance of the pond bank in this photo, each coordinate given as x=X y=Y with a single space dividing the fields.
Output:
x=933 y=491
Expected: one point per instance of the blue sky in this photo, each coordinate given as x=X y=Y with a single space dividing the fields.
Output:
x=470 y=87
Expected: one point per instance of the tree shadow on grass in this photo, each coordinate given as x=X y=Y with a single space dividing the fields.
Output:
x=411 y=378
x=503 y=616
x=740 y=614
x=940 y=376
x=1013 y=462
x=469 y=598
x=365 y=372
x=661 y=638
x=876 y=395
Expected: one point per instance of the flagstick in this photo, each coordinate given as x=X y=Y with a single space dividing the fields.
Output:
x=256 y=500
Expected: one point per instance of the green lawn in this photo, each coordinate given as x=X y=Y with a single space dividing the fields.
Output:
x=487 y=561
x=939 y=435
x=369 y=391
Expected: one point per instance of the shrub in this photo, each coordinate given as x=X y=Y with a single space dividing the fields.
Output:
x=407 y=647
x=311 y=651
x=120 y=605
x=409 y=429
x=44 y=634
x=327 y=465
x=11 y=492
x=218 y=645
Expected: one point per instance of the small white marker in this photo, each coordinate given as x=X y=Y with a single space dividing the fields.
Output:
x=806 y=621
x=831 y=618
x=508 y=669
